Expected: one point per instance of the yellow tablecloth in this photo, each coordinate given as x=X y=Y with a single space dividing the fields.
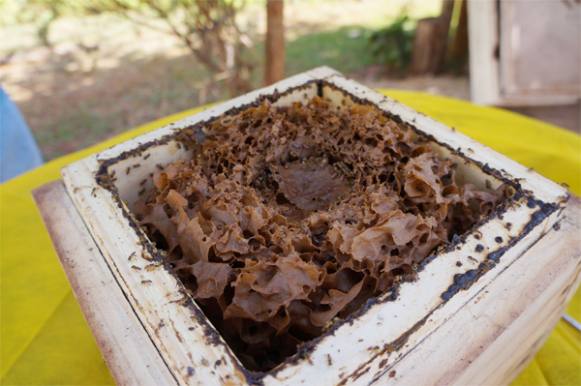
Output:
x=45 y=340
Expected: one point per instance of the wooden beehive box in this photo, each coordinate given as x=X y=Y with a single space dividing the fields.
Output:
x=475 y=315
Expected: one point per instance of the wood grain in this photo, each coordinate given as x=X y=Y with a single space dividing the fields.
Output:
x=488 y=341
x=127 y=349
x=498 y=330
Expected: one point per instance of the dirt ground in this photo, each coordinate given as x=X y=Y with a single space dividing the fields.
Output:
x=104 y=75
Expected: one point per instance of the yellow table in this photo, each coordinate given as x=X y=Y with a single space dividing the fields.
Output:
x=45 y=340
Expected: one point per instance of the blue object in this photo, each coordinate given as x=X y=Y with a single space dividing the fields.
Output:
x=18 y=149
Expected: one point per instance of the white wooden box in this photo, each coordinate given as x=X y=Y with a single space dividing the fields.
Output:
x=475 y=315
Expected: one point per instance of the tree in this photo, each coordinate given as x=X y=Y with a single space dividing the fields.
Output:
x=208 y=28
x=274 y=69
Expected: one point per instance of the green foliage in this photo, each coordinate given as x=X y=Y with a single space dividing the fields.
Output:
x=39 y=11
x=392 y=45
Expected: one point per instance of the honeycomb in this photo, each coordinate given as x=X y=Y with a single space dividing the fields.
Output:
x=289 y=218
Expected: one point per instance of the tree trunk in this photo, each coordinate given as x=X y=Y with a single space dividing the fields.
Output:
x=423 y=57
x=431 y=42
x=274 y=70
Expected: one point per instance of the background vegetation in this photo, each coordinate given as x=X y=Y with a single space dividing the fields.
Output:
x=83 y=70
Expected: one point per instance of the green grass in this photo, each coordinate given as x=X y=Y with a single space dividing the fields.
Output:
x=77 y=129
x=346 y=49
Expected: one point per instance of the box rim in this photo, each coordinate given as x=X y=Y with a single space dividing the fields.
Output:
x=105 y=162
x=389 y=295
